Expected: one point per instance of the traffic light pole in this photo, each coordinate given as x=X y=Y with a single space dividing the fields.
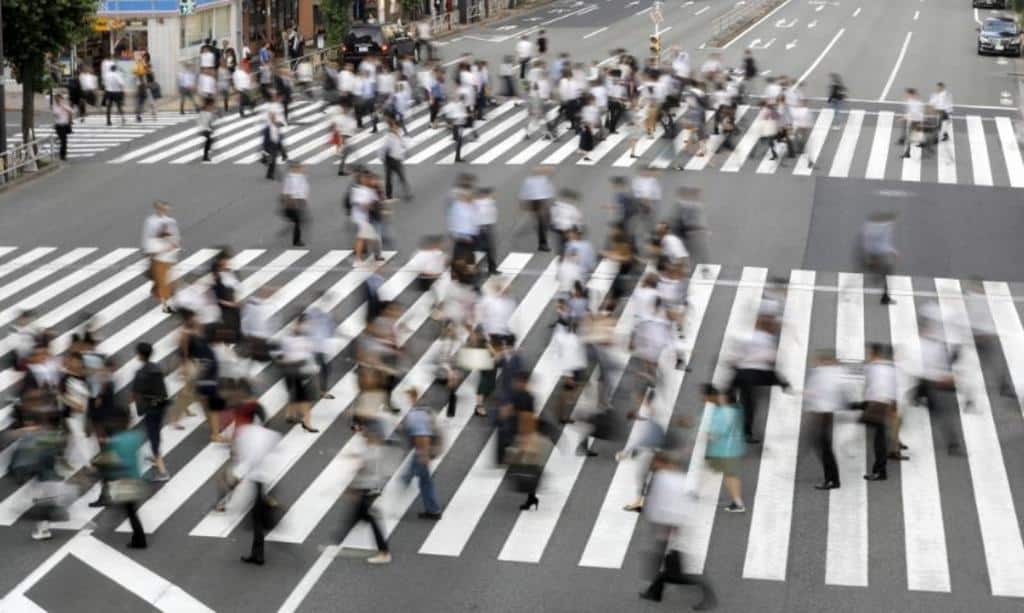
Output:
x=3 y=97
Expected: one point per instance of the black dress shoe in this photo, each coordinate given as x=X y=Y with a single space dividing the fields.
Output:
x=827 y=485
x=135 y=545
x=751 y=440
x=649 y=596
x=430 y=516
x=876 y=477
x=898 y=457
x=252 y=560
x=96 y=504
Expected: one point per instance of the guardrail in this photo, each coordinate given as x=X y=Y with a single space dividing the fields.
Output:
x=728 y=19
x=26 y=158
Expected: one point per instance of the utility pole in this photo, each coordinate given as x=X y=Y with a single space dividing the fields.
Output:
x=3 y=98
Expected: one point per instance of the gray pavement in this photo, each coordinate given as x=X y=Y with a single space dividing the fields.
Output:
x=762 y=217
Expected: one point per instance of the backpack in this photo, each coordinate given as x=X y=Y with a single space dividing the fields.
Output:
x=150 y=391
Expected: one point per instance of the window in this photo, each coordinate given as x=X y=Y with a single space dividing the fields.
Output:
x=214 y=24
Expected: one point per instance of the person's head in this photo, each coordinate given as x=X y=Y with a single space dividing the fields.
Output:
x=144 y=351
x=412 y=394
x=911 y=92
x=161 y=207
x=880 y=351
x=298 y=168
x=223 y=260
x=940 y=86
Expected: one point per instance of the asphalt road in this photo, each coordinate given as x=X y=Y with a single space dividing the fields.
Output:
x=774 y=221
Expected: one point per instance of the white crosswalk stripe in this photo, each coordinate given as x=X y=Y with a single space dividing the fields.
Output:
x=529 y=535
x=93 y=137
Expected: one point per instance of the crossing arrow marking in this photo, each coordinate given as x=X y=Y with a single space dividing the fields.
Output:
x=812 y=24
x=790 y=45
x=783 y=24
x=820 y=7
x=756 y=44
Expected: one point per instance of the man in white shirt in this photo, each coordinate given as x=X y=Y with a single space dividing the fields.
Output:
x=114 y=84
x=913 y=118
x=243 y=84
x=524 y=53
x=877 y=249
x=259 y=324
x=565 y=216
x=823 y=396
x=536 y=195
x=463 y=225
x=207 y=85
x=161 y=241
x=393 y=154
x=487 y=219
x=937 y=385
x=881 y=414
x=273 y=145
x=754 y=366
x=942 y=101
x=345 y=126
x=294 y=196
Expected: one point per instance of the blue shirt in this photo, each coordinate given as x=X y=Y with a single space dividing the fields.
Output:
x=462 y=220
x=419 y=422
x=725 y=432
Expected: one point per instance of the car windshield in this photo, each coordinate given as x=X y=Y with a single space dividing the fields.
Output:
x=998 y=27
x=364 y=36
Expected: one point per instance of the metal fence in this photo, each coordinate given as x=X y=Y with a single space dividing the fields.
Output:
x=28 y=157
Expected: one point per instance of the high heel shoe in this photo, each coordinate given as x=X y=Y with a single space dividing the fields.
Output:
x=309 y=429
x=532 y=501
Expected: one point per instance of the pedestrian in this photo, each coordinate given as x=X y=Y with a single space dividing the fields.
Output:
x=343 y=129
x=457 y=115
x=144 y=84
x=536 y=195
x=876 y=249
x=487 y=221
x=242 y=82
x=425 y=440
x=294 y=198
x=462 y=225
x=913 y=121
x=320 y=328
x=393 y=155
x=367 y=484
x=150 y=397
x=120 y=463
x=755 y=368
x=187 y=340
x=524 y=54
x=836 y=91
x=936 y=385
x=942 y=102
x=62 y=120
x=225 y=288
x=300 y=369
x=252 y=445
x=881 y=416
x=531 y=446
x=114 y=86
x=205 y=124
x=824 y=394
x=186 y=88
x=161 y=241
x=272 y=141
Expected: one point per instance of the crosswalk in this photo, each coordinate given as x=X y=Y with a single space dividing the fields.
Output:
x=94 y=137
x=857 y=143
x=61 y=286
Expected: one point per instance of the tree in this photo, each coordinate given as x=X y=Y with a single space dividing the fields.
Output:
x=337 y=14
x=35 y=29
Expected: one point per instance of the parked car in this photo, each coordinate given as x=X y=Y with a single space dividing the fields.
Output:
x=1000 y=35
x=991 y=4
x=389 y=42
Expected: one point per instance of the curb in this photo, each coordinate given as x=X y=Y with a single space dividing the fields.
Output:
x=31 y=176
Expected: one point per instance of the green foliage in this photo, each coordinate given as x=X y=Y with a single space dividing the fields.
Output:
x=35 y=28
x=337 y=15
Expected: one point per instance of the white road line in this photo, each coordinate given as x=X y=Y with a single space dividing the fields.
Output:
x=614 y=526
x=916 y=15
x=558 y=155
x=1011 y=333
x=308 y=581
x=843 y=159
x=518 y=137
x=896 y=67
x=24 y=260
x=771 y=518
x=486 y=137
x=702 y=11
x=310 y=508
x=603 y=148
x=768 y=166
x=445 y=143
x=5 y=250
x=744 y=148
x=219 y=131
x=396 y=497
x=757 y=23
x=927 y=560
x=817 y=61
x=946 y=152
x=880 y=146
x=856 y=12
x=846 y=557
x=252 y=137
x=533 y=529
x=815 y=142
x=707 y=484
x=41 y=272
x=595 y=32
x=979 y=151
x=1011 y=151
x=164 y=142
x=713 y=145
x=997 y=517
x=912 y=165
x=642 y=145
x=467 y=506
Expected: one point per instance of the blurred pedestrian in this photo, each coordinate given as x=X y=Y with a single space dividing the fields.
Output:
x=149 y=393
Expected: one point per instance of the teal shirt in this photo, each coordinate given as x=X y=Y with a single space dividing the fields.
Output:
x=725 y=432
x=125 y=446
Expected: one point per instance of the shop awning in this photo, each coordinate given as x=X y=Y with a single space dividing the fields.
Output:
x=153 y=7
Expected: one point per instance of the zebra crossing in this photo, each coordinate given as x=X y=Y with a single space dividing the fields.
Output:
x=723 y=307
x=857 y=143
x=94 y=137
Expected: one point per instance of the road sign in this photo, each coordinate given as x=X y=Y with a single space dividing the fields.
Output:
x=186 y=7
x=656 y=15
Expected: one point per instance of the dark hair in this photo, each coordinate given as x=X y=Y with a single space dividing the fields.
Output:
x=710 y=389
x=144 y=351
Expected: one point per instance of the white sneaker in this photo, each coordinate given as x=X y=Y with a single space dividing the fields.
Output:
x=42 y=535
x=382 y=557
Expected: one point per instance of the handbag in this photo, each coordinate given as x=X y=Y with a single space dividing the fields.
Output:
x=155 y=90
x=475 y=358
x=875 y=413
x=123 y=491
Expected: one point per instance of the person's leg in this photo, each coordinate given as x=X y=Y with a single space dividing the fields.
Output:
x=389 y=169
x=828 y=451
x=880 y=449
x=258 y=516
x=109 y=104
x=427 y=492
x=138 y=534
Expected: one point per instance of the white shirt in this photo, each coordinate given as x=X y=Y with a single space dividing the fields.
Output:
x=345 y=124
x=881 y=382
x=363 y=198
x=537 y=187
x=571 y=352
x=434 y=263
x=673 y=248
x=258 y=318
x=207 y=59
x=186 y=80
x=801 y=116
x=914 y=109
x=88 y=81
x=494 y=313
x=207 y=85
x=942 y=101
x=394 y=146
x=486 y=211
x=646 y=303
x=152 y=228
x=935 y=359
x=462 y=219
x=114 y=82
x=758 y=353
x=296 y=186
x=824 y=391
x=565 y=216
x=524 y=49
x=346 y=82
x=647 y=188
x=241 y=80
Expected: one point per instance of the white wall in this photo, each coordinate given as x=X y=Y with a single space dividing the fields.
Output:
x=164 y=39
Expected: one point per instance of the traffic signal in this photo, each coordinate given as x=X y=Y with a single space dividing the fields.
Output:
x=656 y=45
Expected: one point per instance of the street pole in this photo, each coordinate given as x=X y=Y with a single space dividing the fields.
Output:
x=3 y=98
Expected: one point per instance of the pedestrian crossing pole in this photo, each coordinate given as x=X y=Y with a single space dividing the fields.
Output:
x=656 y=18
x=3 y=100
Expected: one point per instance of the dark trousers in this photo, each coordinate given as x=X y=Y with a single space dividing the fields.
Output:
x=272 y=151
x=244 y=102
x=539 y=208
x=325 y=370
x=186 y=94
x=745 y=384
x=260 y=518
x=62 y=136
x=154 y=418
x=141 y=94
x=343 y=157
x=823 y=445
x=879 y=442
x=394 y=167
x=614 y=115
x=435 y=108
x=510 y=86
x=207 y=144
x=138 y=534
x=942 y=405
x=362 y=512
x=294 y=215
x=457 y=137
x=462 y=250
x=672 y=572
x=486 y=242
x=115 y=98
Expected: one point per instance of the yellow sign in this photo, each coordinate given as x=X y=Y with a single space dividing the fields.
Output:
x=106 y=24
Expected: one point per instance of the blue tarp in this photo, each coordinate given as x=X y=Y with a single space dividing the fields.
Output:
x=147 y=6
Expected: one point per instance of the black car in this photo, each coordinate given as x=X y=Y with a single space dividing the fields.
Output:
x=1000 y=35
x=388 y=42
x=991 y=4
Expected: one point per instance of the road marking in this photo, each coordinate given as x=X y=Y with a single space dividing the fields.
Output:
x=757 y=23
x=828 y=48
x=979 y=151
x=947 y=157
x=912 y=165
x=977 y=19
x=880 y=146
x=595 y=32
x=790 y=45
x=927 y=561
x=997 y=517
x=812 y=24
x=702 y=11
x=856 y=12
x=846 y=558
x=916 y=15
x=847 y=145
x=613 y=529
x=815 y=142
x=1011 y=333
x=744 y=148
x=486 y=137
x=1011 y=151
x=896 y=68
x=820 y=8
x=707 y=484
x=642 y=146
x=771 y=518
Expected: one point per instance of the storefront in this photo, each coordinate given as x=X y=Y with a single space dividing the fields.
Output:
x=172 y=31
